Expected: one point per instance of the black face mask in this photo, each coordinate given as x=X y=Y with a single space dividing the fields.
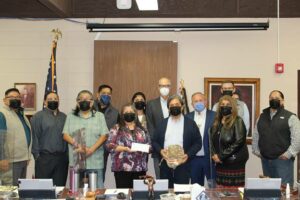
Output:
x=15 y=103
x=84 y=105
x=129 y=117
x=227 y=92
x=274 y=103
x=225 y=110
x=52 y=105
x=140 y=105
x=175 y=110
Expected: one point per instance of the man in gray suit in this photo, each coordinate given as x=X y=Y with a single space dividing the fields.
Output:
x=157 y=110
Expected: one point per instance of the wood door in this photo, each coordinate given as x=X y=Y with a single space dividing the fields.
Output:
x=132 y=66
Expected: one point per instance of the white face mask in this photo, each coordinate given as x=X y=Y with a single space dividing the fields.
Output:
x=164 y=91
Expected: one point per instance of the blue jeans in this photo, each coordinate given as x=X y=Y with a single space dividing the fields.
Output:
x=278 y=168
x=99 y=172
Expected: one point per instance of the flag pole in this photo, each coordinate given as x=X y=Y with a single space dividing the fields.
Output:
x=51 y=85
x=57 y=34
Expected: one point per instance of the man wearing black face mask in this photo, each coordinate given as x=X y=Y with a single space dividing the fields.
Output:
x=276 y=139
x=49 y=149
x=176 y=130
x=17 y=128
x=228 y=88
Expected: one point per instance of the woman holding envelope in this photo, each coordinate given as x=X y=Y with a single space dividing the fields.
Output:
x=129 y=145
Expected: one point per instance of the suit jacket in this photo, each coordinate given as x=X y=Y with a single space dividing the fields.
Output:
x=154 y=115
x=192 y=141
x=210 y=116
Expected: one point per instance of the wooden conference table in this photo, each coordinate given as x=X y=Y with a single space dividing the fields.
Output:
x=218 y=193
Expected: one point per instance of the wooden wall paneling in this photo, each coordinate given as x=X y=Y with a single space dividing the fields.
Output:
x=131 y=66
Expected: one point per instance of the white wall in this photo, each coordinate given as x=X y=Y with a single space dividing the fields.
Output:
x=25 y=52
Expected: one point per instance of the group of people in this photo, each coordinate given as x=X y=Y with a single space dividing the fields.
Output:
x=214 y=142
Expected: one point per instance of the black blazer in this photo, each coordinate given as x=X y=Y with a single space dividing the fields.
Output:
x=192 y=141
x=154 y=115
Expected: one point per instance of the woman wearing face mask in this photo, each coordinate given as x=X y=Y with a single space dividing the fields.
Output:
x=127 y=165
x=85 y=130
x=139 y=102
x=228 y=144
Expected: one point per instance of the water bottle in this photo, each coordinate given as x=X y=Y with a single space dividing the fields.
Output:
x=73 y=179
x=93 y=181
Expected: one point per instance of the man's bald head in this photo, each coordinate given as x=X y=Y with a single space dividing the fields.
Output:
x=164 y=82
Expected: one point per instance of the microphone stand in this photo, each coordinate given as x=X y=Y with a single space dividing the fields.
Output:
x=211 y=181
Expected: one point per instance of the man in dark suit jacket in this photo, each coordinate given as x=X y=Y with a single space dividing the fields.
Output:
x=111 y=114
x=176 y=130
x=157 y=110
x=202 y=165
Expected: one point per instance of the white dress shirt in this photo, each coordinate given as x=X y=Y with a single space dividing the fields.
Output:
x=200 y=119
x=174 y=132
x=164 y=106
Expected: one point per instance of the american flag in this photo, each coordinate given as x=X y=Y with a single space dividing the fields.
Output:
x=51 y=77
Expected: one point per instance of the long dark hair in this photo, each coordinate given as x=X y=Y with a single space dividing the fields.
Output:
x=77 y=109
x=122 y=124
x=230 y=119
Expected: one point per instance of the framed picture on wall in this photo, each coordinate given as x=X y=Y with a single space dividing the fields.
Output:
x=28 y=95
x=248 y=88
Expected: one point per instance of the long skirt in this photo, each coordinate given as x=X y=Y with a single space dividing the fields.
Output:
x=230 y=176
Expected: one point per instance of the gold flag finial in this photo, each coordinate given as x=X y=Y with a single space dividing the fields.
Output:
x=57 y=34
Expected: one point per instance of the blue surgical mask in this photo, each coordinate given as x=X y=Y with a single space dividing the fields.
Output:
x=105 y=99
x=199 y=106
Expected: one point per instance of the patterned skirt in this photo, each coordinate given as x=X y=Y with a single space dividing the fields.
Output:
x=230 y=177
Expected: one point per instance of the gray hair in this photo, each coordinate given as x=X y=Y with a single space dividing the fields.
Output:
x=84 y=92
x=175 y=96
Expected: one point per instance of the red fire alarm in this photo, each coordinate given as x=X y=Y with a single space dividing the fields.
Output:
x=279 y=68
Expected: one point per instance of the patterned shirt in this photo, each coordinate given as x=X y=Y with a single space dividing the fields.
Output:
x=94 y=127
x=127 y=161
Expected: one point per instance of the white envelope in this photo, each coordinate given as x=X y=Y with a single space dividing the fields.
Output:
x=140 y=147
x=182 y=187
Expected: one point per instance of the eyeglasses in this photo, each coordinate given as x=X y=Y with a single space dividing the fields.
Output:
x=12 y=97
x=164 y=85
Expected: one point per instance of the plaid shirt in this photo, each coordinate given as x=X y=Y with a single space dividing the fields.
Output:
x=95 y=126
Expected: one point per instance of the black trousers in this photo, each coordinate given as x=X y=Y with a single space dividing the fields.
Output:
x=179 y=175
x=125 y=179
x=52 y=166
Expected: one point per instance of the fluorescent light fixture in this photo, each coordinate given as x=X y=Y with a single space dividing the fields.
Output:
x=164 y=27
x=147 y=4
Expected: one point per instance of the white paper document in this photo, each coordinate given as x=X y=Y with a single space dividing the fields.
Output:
x=140 y=147
x=182 y=187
